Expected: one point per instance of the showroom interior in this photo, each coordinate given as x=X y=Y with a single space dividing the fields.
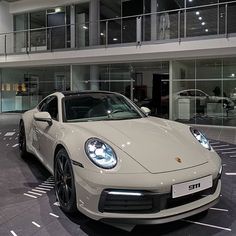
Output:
x=175 y=57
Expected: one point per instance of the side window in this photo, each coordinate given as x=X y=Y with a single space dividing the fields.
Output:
x=42 y=104
x=192 y=93
x=184 y=94
x=51 y=106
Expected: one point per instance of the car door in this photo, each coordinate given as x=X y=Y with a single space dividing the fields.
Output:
x=34 y=132
x=48 y=133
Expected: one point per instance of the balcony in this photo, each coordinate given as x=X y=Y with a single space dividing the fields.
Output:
x=193 y=23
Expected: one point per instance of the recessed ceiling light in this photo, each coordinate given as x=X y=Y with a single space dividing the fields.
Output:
x=233 y=75
x=85 y=27
x=199 y=18
x=190 y=0
x=197 y=13
x=115 y=39
x=58 y=9
x=102 y=34
x=203 y=23
x=206 y=30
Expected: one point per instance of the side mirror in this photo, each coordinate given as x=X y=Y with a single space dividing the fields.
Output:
x=43 y=117
x=145 y=110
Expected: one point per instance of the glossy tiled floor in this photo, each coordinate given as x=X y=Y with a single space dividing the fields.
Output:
x=24 y=215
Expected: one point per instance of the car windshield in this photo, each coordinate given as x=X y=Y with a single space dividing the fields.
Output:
x=99 y=106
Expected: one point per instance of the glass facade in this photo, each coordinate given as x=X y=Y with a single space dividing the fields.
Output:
x=146 y=83
x=204 y=91
x=23 y=88
x=196 y=91
x=201 y=91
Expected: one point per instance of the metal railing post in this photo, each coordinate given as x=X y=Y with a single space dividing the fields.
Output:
x=226 y=20
x=106 y=43
x=50 y=39
x=5 y=44
x=185 y=19
x=179 y=29
x=138 y=30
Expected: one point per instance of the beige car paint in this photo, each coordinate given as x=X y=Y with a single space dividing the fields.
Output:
x=146 y=149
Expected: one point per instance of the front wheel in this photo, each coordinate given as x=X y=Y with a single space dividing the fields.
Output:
x=64 y=182
x=22 y=140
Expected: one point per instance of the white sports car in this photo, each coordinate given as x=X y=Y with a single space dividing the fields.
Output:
x=114 y=163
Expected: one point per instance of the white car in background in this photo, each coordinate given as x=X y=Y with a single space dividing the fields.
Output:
x=204 y=98
x=114 y=163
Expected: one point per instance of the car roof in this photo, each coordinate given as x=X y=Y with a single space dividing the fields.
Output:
x=75 y=93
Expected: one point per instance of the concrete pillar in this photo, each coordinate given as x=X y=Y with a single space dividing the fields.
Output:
x=72 y=28
x=94 y=17
x=154 y=19
x=6 y=25
x=94 y=77
x=80 y=77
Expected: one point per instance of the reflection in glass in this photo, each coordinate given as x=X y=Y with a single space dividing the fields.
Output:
x=82 y=24
x=20 y=38
x=23 y=89
x=56 y=21
x=201 y=21
x=129 y=30
x=231 y=18
x=202 y=94
x=38 y=40
x=114 y=31
x=110 y=9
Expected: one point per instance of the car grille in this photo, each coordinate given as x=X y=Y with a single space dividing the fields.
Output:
x=127 y=204
x=148 y=202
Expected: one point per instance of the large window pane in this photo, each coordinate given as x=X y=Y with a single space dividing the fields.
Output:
x=38 y=33
x=209 y=96
x=82 y=24
x=165 y=5
x=22 y=89
x=132 y=7
x=231 y=18
x=129 y=30
x=200 y=2
x=151 y=86
x=201 y=21
x=229 y=91
x=110 y=9
x=20 y=38
x=56 y=21
x=209 y=93
x=114 y=31
x=183 y=94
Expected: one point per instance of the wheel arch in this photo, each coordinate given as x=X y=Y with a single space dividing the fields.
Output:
x=58 y=147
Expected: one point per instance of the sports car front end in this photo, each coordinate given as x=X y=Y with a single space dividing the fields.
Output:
x=155 y=180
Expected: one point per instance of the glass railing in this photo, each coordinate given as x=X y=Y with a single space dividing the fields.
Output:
x=213 y=19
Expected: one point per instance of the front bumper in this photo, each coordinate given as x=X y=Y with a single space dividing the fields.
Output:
x=92 y=187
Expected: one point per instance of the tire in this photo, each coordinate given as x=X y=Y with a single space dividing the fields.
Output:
x=22 y=140
x=64 y=182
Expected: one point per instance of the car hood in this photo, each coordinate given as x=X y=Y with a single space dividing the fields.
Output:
x=156 y=144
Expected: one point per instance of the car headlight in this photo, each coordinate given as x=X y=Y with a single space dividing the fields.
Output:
x=201 y=138
x=100 y=153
